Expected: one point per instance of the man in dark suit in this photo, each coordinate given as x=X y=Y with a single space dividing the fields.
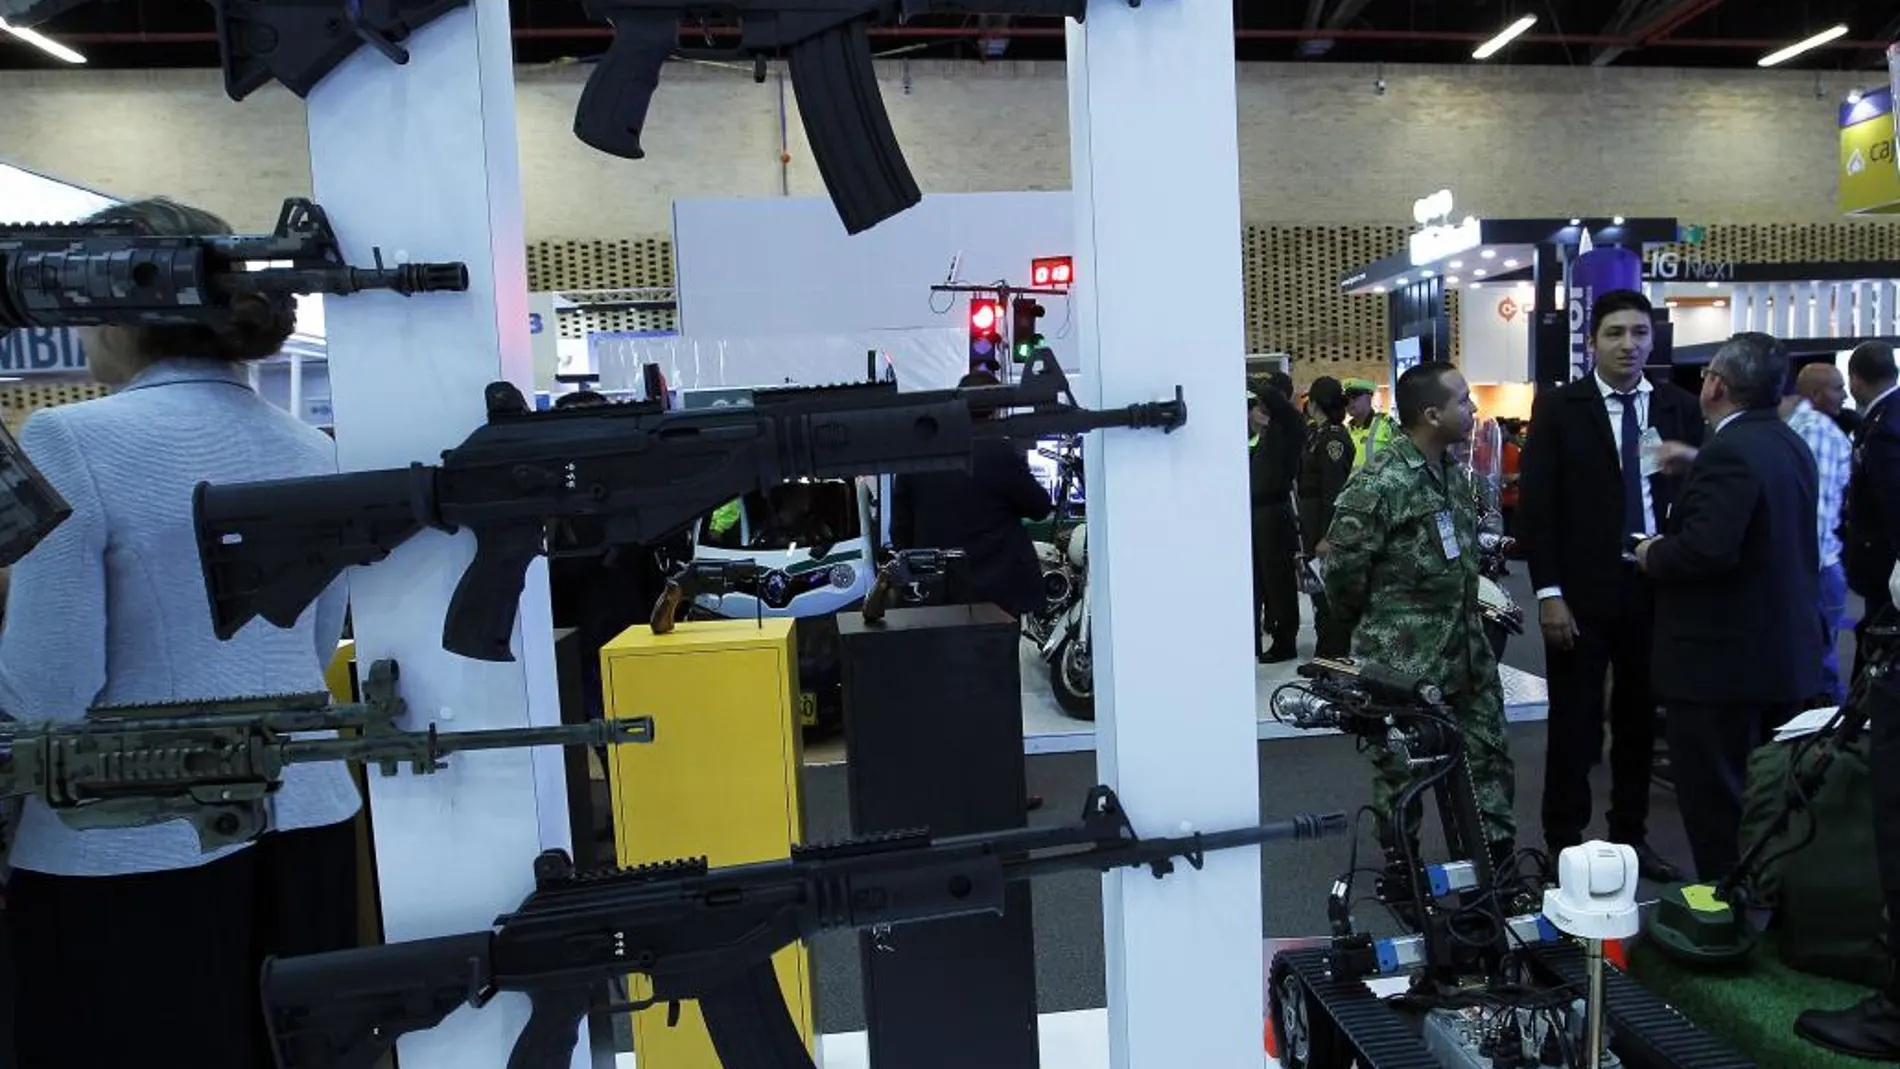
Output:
x=980 y=512
x=1738 y=618
x=1277 y=435
x=1870 y=545
x=1588 y=480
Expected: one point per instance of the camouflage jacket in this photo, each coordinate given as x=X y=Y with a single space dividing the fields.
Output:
x=1411 y=604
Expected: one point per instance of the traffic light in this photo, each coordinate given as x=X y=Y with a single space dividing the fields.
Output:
x=1024 y=311
x=986 y=334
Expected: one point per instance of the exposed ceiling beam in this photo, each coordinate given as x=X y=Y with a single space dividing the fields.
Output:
x=1342 y=16
x=1631 y=11
x=1347 y=11
x=1652 y=26
x=1889 y=32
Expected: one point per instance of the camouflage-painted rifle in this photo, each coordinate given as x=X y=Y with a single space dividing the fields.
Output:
x=217 y=763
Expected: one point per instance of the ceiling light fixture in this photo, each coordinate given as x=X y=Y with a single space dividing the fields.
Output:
x=1832 y=33
x=1424 y=274
x=1576 y=222
x=1505 y=36
x=1510 y=263
x=1451 y=280
x=1381 y=289
x=1721 y=303
x=1618 y=221
x=1489 y=254
x=1398 y=281
x=43 y=43
x=1479 y=273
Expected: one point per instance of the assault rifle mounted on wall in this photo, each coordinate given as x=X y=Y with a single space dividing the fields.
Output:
x=825 y=44
x=217 y=763
x=29 y=506
x=98 y=273
x=269 y=549
x=697 y=933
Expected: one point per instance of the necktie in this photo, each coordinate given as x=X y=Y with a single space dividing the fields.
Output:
x=1632 y=467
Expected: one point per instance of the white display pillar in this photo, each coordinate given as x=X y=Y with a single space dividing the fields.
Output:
x=421 y=159
x=1156 y=173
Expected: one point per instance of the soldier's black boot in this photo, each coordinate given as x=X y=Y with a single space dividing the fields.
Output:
x=1870 y=1030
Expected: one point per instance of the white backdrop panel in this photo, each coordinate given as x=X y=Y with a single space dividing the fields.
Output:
x=925 y=359
x=750 y=267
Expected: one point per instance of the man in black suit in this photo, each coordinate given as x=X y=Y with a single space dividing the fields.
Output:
x=980 y=512
x=1870 y=545
x=1277 y=436
x=1588 y=480
x=1738 y=619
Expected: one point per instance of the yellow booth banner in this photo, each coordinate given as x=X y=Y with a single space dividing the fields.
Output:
x=1870 y=174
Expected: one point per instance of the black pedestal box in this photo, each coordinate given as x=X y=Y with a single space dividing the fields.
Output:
x=934 y=737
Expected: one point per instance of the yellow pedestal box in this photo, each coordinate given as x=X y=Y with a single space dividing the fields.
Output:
x=719 y=781
x=340 y=677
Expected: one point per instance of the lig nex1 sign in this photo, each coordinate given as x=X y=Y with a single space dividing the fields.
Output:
x=1440 y=237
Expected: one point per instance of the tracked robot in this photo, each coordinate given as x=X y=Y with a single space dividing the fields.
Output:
x=1504 y=961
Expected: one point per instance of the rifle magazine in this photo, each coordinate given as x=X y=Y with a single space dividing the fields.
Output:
x=850 y=133
x=749 y=1024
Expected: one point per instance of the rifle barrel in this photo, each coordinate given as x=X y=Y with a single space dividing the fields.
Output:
x=1133 y=853
x=424 y=745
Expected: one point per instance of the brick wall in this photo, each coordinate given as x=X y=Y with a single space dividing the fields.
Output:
x=1317 y=144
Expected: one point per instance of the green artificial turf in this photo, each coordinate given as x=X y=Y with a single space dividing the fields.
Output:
x=1754 y=1007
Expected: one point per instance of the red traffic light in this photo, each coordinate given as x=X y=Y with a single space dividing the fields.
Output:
x=984 y=317
x=1052 y=271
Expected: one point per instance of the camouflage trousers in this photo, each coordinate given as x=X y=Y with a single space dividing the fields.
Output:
x=1480 y=714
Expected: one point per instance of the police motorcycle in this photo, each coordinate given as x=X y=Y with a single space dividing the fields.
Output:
x=1060 y=631
x=1503 y=617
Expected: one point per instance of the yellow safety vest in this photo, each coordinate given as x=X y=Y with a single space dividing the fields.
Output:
x=1370 y=438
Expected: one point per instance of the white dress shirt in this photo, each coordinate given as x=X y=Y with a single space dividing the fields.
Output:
x=1613 y=407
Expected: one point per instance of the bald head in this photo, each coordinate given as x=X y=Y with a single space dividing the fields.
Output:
x=1823 y=386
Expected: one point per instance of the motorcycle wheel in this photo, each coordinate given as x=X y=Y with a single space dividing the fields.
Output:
x=1072 y=679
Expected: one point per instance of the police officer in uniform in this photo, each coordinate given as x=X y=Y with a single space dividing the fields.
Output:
x=1371 y=430
x=1402 y=575
x=1325 y=466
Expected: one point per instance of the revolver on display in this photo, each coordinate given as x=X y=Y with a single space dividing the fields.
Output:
x=700 y=577
x=909 y=568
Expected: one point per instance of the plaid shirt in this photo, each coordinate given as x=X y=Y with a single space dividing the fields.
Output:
x=1834 y=460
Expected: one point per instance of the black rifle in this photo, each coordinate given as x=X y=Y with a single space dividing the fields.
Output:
x=697 y=933
x=829 y=53
x=91 y=274
x=269 y=549
x=29 y=506
x=299 y=42
x=296 y=42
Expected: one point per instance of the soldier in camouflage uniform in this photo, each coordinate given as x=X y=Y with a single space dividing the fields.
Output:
x=1402 y=573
